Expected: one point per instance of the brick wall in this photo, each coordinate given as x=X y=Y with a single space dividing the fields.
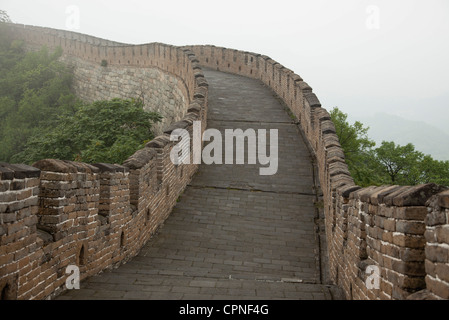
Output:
x=19 y=187
x=437 y=248
x=160 y=91
x=162 y=75
x=399 y=231
x=57 y=213
x=382 y=227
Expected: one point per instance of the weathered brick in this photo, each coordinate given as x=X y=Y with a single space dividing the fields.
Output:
x=409 y=254
x=386 y=287
x=417 y=195
x=19 y=254
x=410 y=227
x=438 y=287
x=386 y=211
x=3 y=207
x=387 y=236
x=4 y=185
x=17 y=184
x=8 y=197
x=30 y=220
x=435 y=218
x=24 y=194
x=429 y=234
x=379 y=221
x=23 y=213
x=8 y=268
x=442 y=271
x=6 y=173
x=404 y=281
x=51 y=211
x=32 y=182
x=372 y=209
x=411 y=213
x=436 y=253
x=22 y=171
x=8 y=217
x=389 y=224
x=443 y=200
x=442 y=234
x=14 y=227
x=430 y=267
x=6 y=258
x=399 y=293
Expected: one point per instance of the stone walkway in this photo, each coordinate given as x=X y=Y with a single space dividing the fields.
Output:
x=234 y=234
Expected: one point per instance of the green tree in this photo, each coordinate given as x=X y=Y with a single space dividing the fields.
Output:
x=403 y=165
x=399 y=163
x=104 y=131
x=35 y=88
x=357 y=147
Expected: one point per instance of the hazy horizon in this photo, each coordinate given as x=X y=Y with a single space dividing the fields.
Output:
x=363 y=56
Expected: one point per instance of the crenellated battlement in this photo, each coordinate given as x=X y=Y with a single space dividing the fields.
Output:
x=392 y=228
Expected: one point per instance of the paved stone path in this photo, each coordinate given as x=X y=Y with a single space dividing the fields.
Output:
x=234 y=234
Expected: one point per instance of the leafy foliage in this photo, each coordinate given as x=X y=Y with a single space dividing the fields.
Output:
x=399 y=162
x=40 y=117
x=34 y=90
x=104 y=131
x=388 y=163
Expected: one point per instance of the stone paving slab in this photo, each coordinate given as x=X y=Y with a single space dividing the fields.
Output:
x=237 y=98
x=196 y=288
x=294 y=169
x=233 y=235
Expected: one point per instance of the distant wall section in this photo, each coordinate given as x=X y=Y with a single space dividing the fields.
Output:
x=104 y=70
x=160 y=91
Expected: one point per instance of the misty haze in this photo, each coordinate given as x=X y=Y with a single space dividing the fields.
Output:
x=396 y=65
x=234 y=150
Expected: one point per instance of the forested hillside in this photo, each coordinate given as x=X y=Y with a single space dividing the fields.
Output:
x=40 y=117
x=389 y=163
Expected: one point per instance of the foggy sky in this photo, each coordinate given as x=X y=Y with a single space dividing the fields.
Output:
x=400 y=68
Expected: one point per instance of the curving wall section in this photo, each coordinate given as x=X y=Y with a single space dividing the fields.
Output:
x=57 y=213
x=157 y=73
x=160 y=91
x=400 y=234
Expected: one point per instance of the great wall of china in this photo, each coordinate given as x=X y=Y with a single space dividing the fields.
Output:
x=97 y=216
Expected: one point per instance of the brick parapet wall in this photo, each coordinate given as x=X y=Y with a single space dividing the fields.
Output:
x=95 y=216
x=380 y=227
x=388 y=227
